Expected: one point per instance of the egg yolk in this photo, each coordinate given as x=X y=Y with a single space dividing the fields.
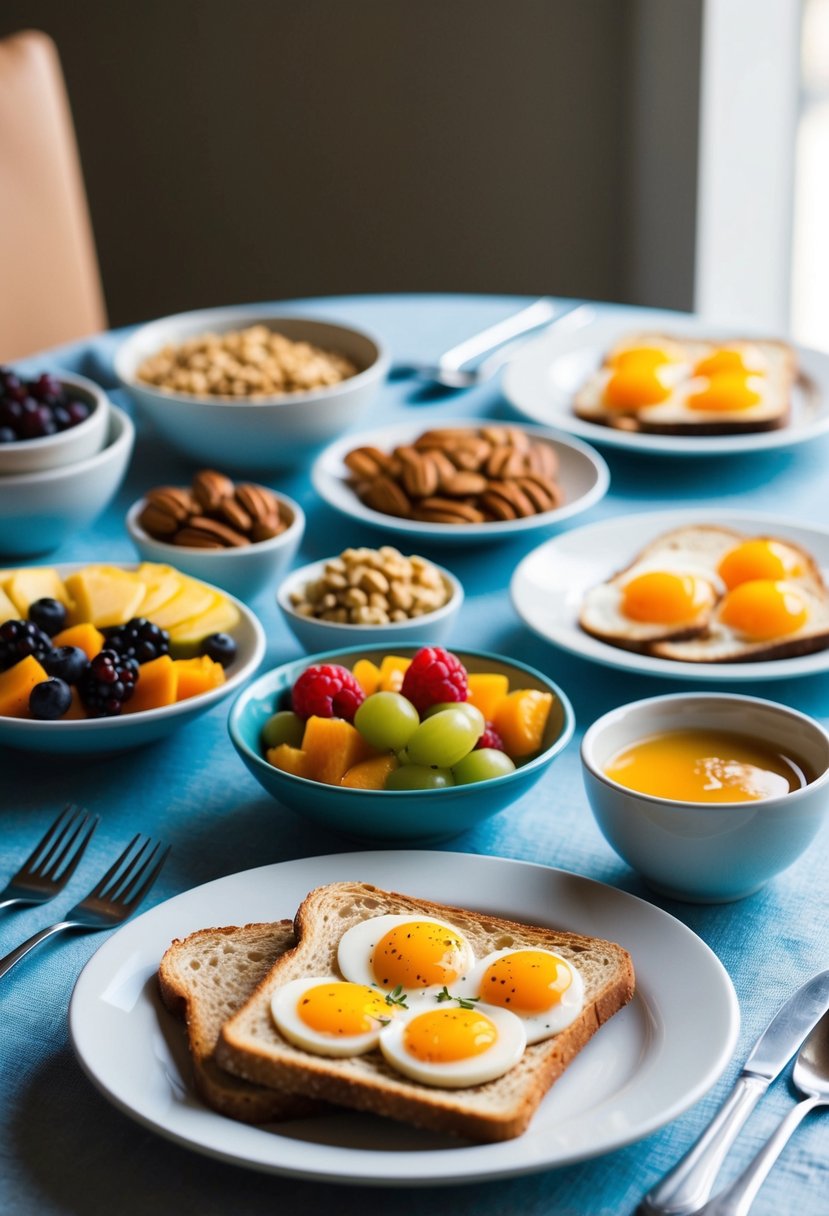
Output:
x=642 y=357
x=704 y=766
x=418 y=954
x=727 y=359
x=342 y=1008
x=724 y=392
x=660 y=597
x=764 y=609
x=635 y=385
x=759 y=559
x=528 y=981
x=445 y=1035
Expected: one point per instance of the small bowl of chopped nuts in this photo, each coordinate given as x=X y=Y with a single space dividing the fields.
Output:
x=375 y=596
x=247 y=389
x=237 y=535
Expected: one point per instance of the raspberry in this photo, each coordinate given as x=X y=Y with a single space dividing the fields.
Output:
x=491 y=738
x=434 y=675
x=327 y=691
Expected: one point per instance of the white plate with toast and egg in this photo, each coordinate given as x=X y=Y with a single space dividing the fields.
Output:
x=649 y=1063
x=700 y=389
x=756 y=582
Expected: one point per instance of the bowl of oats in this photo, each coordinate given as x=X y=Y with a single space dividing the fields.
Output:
x=247 y=389
x=372 y=596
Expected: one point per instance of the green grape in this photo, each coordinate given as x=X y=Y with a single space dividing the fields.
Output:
x=472 y=712
x=481 y=765
x=284 y=727
x=386 y=721
x=419 y=777
x=444 y=739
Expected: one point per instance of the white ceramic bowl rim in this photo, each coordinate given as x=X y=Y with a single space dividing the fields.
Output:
x=305 y=574
x=121 y=433
x=543 y=758
x=616 y=715
x=179 y=708
x=297 y=524
x=246 y=316
x=84 y=388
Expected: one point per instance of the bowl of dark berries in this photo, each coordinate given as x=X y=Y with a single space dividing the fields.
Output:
x=100 y=658
x=47 y=421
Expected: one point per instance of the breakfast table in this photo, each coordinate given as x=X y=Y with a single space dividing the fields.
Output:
x=65 y=1148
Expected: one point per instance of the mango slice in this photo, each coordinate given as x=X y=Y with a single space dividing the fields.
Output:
x=157 y=685
x=367 y=675
x=520 y=720
x=333 y=746
x=487 y=690
x=369 y=774
x=195 y=676
x=290 y=759
x=16 y=684
x=392 y=670
x=85 y=636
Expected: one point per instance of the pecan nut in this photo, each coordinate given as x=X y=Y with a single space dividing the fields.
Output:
x=211 y=530
x=210 y=488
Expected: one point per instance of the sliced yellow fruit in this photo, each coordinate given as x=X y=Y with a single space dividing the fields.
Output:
x=161 y=584
x=220 y=617
x=32 y=583
x=104 y=595
x=8 y=612
x=16 y=684
x=192 y=599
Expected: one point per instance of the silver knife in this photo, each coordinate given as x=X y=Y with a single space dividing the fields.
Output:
x=685 y=1188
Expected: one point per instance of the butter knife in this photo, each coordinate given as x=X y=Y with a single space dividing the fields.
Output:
x=685 y=1188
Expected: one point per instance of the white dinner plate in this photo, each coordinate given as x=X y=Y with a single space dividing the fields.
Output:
x=544 y=377
x=582 y=474
x=648 y=1064
x=548 y=586
x=94 y=736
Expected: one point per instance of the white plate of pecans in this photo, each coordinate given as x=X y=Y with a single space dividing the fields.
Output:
x=460 y=481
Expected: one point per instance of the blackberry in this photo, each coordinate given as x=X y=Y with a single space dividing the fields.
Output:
x=48 y=614
x=19 y=639
x=107 y=683
x=220 y=647
x=139 y=639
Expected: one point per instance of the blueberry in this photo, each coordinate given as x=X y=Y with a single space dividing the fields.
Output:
x=220 y=647
x=67 y=663
x=50 y=699
x=7 y=435
x=49 y=615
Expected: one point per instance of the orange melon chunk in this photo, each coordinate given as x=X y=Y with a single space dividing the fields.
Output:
x=392 y=670
x=196 y=676
x=16 y=684
x=370 y=774
x=290 y=759
x=520 y=720
x=85 y=636
x=76 y=709
x=487 y=690
x=157 y=685
x=367 y=675
x=333 y=746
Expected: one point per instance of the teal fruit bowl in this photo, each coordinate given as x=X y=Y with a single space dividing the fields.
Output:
x=399 y=816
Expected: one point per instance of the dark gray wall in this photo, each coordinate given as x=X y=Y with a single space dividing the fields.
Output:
x=266 y=149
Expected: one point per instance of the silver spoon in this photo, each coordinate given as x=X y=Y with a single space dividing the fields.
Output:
x=810 y=1077
x=449 y=370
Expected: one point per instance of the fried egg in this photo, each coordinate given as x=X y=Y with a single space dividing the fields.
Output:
x=454 y=1047
x=418 y=954
x=650 y=382
x=541 y=988
x=331 y=1017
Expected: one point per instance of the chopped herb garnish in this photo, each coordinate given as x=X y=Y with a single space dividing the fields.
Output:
x=397 y=997
x=465 y=1002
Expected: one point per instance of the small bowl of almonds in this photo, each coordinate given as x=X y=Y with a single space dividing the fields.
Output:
x=376 y=596
x=237 y=535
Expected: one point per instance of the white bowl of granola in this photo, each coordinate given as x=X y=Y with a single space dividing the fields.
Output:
x=247 y=388
x=371 y=596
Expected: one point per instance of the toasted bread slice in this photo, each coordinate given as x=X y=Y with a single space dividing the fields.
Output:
x=204 y=979
x=673 y=415
x=251 y=1046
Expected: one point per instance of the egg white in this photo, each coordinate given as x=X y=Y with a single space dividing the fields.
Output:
x=457 y=1074
x=601 y=611
x=538 y=1026
x=354 y=953
x=284 y=1011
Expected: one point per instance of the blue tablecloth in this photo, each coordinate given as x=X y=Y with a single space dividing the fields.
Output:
x=64 y=1149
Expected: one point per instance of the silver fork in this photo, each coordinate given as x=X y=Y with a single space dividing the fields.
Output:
x=112 y=901
x=52 y=862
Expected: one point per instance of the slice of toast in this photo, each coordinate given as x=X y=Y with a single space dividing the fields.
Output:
x=205 y=978
x=251 y=1046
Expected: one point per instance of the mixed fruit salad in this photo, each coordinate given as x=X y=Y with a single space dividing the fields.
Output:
x=105 y=640
x=423 y=723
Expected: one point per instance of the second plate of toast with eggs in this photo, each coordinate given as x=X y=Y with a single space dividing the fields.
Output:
x=670 y=384
x=692 y=594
